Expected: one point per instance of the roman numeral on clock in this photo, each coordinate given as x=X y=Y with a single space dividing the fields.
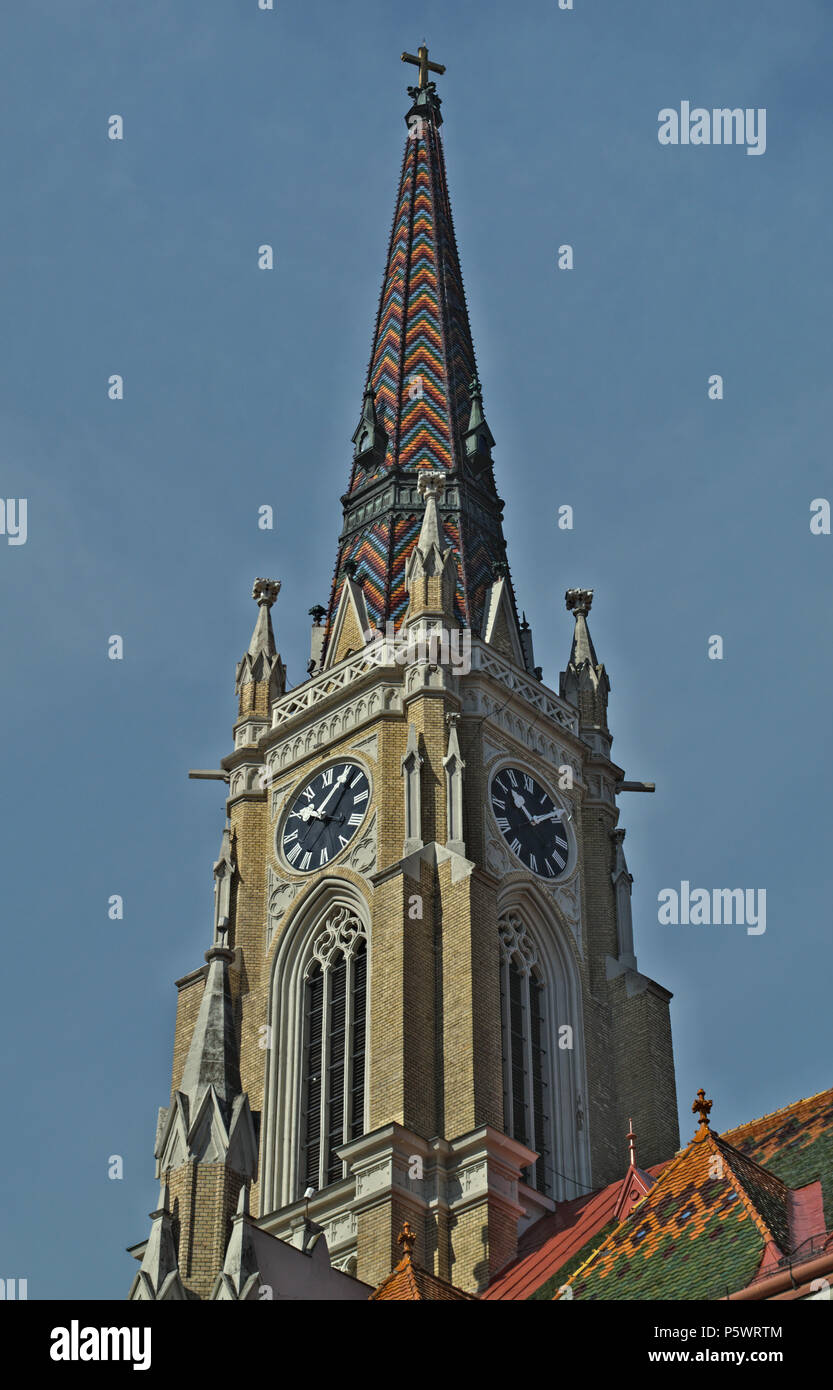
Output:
x=503 y=824
x=528 y=783
x=323 y=858
x=533 y=863
x=355 y=819
x=496 y=801
x=360 y=796
x=293 y=853
x=515 y=847
x=327 y=776
x=306 y=861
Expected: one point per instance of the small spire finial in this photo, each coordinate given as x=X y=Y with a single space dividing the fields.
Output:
x=407 y=1238
x=631 y=1138
x=702 y=1107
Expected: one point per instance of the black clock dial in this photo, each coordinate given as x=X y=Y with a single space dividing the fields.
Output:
x=530 y=822
x=324 y=817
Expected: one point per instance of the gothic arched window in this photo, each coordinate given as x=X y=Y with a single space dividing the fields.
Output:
x=334 y=1047
x=527 y=1097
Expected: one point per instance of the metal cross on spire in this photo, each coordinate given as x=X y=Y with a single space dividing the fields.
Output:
x=421 y=62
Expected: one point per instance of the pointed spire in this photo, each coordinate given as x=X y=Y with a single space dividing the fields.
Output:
x=579 y=603
x=431 y=573
x=369 y=439
x=213 y=1058
x=478 y=437
x=423 y=375
x=431 y=547
x=585 y=683
x=261 y=669
x=636 y=1183
x=240 y=1267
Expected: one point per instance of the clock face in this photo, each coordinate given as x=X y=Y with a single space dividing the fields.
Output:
x=324 y=817
x=530 y=822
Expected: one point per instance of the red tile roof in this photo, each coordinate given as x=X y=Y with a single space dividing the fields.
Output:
x=408 y=1282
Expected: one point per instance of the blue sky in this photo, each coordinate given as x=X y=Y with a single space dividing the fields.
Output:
x=243 y=387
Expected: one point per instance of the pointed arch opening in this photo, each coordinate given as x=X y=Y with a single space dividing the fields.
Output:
x=316 y=1089
x=543 y=1045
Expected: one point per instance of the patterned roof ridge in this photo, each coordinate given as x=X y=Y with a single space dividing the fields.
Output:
x=773 y=1222
x=782 y=1110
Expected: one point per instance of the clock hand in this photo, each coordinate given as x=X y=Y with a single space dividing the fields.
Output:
x=339 y=782
x=551 y=815
x=519 y=801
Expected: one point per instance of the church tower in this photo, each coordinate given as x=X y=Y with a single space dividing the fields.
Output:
x=421 y=1002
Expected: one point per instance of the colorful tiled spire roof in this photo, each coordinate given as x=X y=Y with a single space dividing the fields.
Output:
x=422 y=405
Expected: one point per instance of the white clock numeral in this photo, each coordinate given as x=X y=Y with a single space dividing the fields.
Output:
x=496 y=801
x=550 y=870
x=324 y=858
x=500 y=786
x=355 y=819
x=305 y=862
x=360 y=796
x=358 y=778
x=528 y=783
x=293 y=853
x=533 y=863
x=292 y=836
x=557 y=857
x=512 y=778
x=503 y=824
x=328 y=776
x=515 y=846
x=309 y=793
x=344 y=843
